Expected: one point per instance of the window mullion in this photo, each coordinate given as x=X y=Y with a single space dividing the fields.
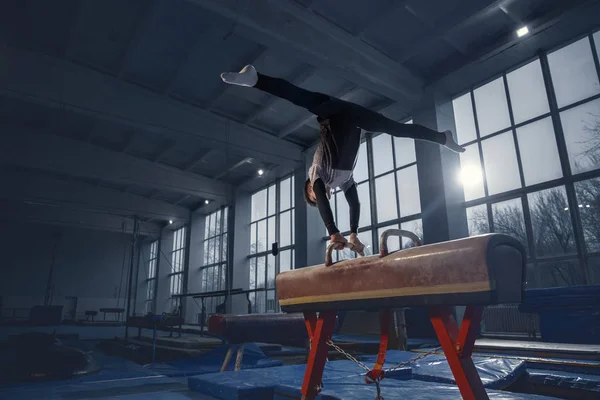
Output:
x=566 y=167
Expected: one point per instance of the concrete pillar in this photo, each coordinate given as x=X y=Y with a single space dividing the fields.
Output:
x=141 y=285
x=186 y=266
x=443 y=214
x=231 y=239
x=163 y=302
x=196 y=258
x=241 y=250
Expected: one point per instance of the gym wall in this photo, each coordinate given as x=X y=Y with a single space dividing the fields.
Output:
x=87 y=265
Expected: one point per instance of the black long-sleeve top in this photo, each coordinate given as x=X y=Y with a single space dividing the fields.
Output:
x=351 y=195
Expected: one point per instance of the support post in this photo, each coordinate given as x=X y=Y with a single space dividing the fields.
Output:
x=50 y=284
x=323 y=329
x=458 y=346
x=130 y=283
x=397 y=333
x=239 y=357
x=186 y=267
x=227 y=358
x=137 y=279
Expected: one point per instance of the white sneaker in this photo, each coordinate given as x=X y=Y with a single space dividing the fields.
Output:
x=246 y=77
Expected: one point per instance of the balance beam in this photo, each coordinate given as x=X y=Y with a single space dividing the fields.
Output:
x=471 y=272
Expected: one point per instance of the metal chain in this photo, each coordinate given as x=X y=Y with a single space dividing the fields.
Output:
x=412 y=360
x=379 y=396
x=394 y=368
x=347 y=355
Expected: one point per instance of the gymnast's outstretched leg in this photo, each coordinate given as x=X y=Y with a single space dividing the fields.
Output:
x=324 y=106
x=281 y=88
x=374 y=122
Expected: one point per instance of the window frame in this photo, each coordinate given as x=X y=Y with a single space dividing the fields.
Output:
x=568 y=179
x=179 y=235
x=221 y=266
x=254 y=257
x=151 y=281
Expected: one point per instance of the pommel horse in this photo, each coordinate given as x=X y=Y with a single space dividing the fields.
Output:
x=471 y=272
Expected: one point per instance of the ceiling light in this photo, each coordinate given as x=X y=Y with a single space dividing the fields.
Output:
x=587 y=206
x=206 y=201
x=581 y=206
x=170 y=221
x=522 y=31
x=566 y=208
x=260 y=172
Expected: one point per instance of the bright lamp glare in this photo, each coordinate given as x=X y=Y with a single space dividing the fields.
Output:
x=260 y=172
x=206 y=201
x=522 y=31
x=170 y=221
x=471 y=175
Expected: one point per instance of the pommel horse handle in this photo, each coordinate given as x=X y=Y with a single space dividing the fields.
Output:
x=331 y=247
x=383 y=247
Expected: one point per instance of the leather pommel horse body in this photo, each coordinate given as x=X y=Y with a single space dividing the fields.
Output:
x=471 y=272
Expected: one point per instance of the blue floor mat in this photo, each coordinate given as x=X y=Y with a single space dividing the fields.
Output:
x=495 y=373
x=260 y=384
x=575 y=374
x=286 y=352
x=117 y=375
x=355 y=389
x=212 y=361
x=565 y=379
x=179 y=395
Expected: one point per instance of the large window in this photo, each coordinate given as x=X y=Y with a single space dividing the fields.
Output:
x=213 y=271
x=532 y=165
x=177 y=263
x=272 y=221
x=151 y=277
x=388 y=190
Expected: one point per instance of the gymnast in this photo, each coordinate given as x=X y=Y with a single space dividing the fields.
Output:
x=341 y=124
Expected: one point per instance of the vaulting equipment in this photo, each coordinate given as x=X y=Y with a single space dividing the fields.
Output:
x=471 y=272
x=285 y=329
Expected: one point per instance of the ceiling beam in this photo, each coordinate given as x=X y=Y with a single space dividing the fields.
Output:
x=63 y=85
x=37 y=188
x=18 y=211
x=167 y=146
x=136 y=37
x=447 y=26
x=198 y=159
x=70 y=157
x=182 y=199
x=288 y=27
x=234 y=167
x=560 y=24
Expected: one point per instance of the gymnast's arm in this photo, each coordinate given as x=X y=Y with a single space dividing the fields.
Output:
x=351 y=195
x=324 y=207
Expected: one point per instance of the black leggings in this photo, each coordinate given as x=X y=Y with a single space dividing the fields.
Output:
x=325 y=106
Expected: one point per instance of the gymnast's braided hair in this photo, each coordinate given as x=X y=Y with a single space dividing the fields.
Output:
x=327 y=140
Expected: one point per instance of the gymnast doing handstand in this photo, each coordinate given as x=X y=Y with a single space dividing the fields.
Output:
x=341 y=125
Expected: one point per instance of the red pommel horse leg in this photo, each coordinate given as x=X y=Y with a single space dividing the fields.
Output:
x=458 y=346
x=320 y=329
